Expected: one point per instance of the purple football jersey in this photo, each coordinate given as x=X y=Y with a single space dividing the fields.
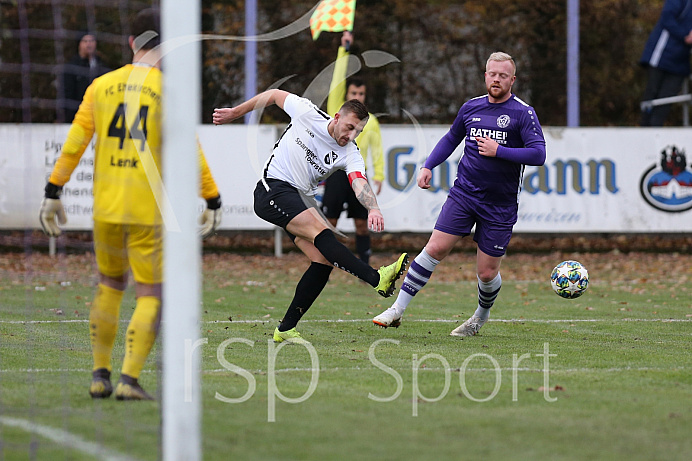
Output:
x=513 y=124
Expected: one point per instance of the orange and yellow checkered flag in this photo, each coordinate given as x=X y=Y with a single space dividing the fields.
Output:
x=332 y=16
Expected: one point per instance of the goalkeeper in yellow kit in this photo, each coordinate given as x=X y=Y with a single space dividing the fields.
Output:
x=337 y=190
x=123 y=108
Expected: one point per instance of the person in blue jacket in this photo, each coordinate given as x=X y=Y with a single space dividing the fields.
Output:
x=667 y=57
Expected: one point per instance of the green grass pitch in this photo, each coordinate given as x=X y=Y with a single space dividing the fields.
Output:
x=604 y=376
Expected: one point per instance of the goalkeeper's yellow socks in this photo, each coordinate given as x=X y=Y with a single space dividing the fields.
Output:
x=103 y=324
x=141 y=334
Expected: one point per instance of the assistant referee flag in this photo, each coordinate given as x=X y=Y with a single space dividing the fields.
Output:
x=332 y=16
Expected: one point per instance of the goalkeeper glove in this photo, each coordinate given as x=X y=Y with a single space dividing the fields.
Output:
x=211 y=217
x=52 y=212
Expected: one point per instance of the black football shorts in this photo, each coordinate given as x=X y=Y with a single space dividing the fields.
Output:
x=279 y=202
x=337 y=193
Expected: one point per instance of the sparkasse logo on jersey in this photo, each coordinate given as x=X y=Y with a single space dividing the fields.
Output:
x=667 y=186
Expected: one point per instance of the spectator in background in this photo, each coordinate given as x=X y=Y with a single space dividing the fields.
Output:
x=337 y=191
x=667 y=57
x=82 y=69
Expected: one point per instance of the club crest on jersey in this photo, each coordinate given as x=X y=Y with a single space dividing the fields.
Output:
x=330 y=158
x=503 y=121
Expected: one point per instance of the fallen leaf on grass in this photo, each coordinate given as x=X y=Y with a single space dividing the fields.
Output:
x=555 y=388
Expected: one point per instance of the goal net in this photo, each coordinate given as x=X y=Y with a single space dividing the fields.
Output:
x=45 y=299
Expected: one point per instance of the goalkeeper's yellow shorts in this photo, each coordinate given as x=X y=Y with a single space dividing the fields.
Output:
x=121 y=246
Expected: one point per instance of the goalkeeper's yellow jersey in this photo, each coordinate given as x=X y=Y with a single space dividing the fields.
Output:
x=370 y=139
x=123 y=108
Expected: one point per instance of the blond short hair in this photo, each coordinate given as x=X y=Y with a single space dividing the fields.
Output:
x=500 y=57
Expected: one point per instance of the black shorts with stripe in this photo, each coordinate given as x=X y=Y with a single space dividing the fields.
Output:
x=279 y=202
x=337 y=193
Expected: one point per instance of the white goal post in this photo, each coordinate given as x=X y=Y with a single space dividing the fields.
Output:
x=181 y=396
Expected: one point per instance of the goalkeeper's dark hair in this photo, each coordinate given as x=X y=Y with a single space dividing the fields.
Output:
x=355 y=81
x=355 y=107
x=146 y=28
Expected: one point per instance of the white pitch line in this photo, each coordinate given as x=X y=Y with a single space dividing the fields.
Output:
x=55 y=370
x=530 y=370
x=328 y=370
x=20 y=322
x=458 y=320
x=65 y=438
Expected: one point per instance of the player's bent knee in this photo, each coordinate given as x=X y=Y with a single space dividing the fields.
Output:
x=487 y=276
x=436 y=251
x=117 y=283
x=311 y=251
x=361 y=226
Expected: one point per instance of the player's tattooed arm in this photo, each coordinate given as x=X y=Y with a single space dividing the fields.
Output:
x=365 y=194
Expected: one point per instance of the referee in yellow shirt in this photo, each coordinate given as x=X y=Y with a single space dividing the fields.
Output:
x=337 y=191
x=123 y=109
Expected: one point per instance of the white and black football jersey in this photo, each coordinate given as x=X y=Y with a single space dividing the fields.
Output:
x=306 y=153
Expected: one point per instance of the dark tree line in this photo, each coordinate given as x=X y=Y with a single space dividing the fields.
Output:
x=441 y=47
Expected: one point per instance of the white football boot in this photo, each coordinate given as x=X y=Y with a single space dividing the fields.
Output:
x=389 y=318
x=469 y=327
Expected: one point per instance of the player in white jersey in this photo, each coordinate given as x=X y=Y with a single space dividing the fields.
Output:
x=313 y=146
x=297 y=157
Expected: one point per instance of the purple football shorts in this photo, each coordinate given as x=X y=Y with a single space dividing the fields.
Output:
x=493 y=223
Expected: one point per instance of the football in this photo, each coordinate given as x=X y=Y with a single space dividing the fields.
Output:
x=569 y=279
